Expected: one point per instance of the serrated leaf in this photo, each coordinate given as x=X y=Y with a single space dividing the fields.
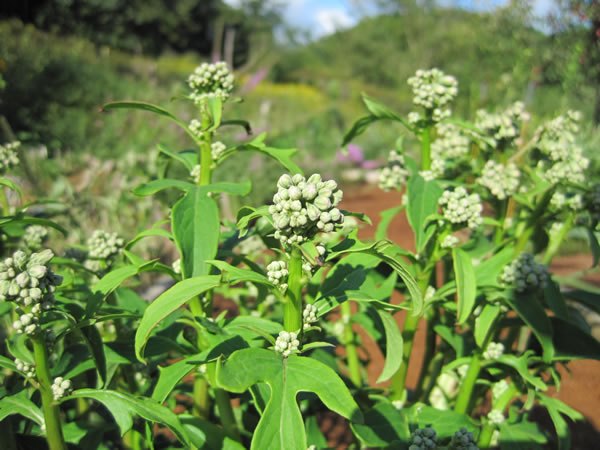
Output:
x=124 y=406
x=466 y=285
x=196 y=228
x=281 y=424
x=168 y=302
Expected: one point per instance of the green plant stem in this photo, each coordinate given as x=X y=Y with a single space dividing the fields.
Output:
x=292 y=308
x=398 y=380
x=426 y=148
x=487 y=432
x=350 y=342
x=50 y=409
x=4 y=202
x=430 y=344
x=431 y=375
x=463 y=401
x=226 y=413
x=557 y=240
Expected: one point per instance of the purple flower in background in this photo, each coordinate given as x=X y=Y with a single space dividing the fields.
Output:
x=370 y=164
x=255 y=80
x=355 y=154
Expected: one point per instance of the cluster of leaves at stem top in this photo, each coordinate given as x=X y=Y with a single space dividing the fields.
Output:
x=90 y=363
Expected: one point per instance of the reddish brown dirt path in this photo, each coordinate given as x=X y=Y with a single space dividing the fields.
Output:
x=580 y=385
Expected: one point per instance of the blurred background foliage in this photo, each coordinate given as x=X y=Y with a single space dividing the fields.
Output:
x=62 y=59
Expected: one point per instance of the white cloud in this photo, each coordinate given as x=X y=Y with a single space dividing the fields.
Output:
x=329 y=20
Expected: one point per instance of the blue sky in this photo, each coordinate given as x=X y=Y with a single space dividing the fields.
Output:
x=322 y=17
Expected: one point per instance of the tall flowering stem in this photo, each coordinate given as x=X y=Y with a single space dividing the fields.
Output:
x=426 y=148
x=50 y=409
x=350 y=343
x=292 y=308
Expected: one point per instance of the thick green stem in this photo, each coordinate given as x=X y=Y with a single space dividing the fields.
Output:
x=226 y=414
x=463 y=401
x=426 y=148
x=50 y=409
x=292 y=308
x=350 y=342
x=398 y=381
x=487 y=432
x=430 y=345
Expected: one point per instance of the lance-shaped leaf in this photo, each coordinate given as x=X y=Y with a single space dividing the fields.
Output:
x=281 y=425
x=423 y=199
x=20 y=404
x=195 y=223
x=393 y=346
x=466 y=285
x=282 y=155
x=167 y=303
x=124 y=407
x=534 y=315
x=154 y=186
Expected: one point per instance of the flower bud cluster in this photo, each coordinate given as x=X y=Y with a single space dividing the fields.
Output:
x=463 y=440
x=504 y=127
x=433 y=90
x=450 y=241
x=176 y=266
x=450 y=144
x=496 y=417
x=501 y=180
x=277 y=272
x=8 y=156
x=524 y=274
x=423 y=439
x=562 y=200
x=394 y=174
x=104 y=245
x=309 y=315
x=557 y=137
x=494 y=350
x=499 y=388
x=195 y=173
x=460 y=207
x=217 y=149
x=210 y=81
x=28 y=282
x=34 y=237
x=304 y=207
x=61 y=388
x=27 y=369
x=569 y=170
x=287 y=343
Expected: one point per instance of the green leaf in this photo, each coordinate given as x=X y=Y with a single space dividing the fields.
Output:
x=281 y=424
x=282 y=155
x=521 y=436
x=234 y=275
x=423 y=199
x=151 y=232
x=381 y=111
x=196 y=228
x=93 y=339
x=113 y=279
x=124 y=406
x=393 y=346
x=20 y=404
x=206 y=435
x=168 y=302
x=170 y=376
x=143 y=106
x=387 y=217
x=189 y=158
x=488 y=271
x=215 y=110
x=555 y=300
x=359 y=128
x=466 y=285
x=384 y=426
x=484 y=324
x=11 y=185
x=571 y=342
x=154 y=186
x=314 y=436
x=556 y=409
x=521 y=365
x=239 y=123
x=446 y=423
x=534 y=315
